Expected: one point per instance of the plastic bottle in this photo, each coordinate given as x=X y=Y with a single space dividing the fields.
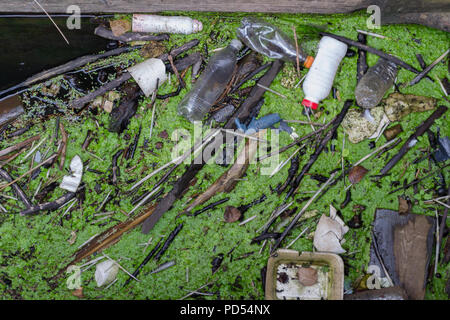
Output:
x=211 y=84
x=269 y=40
x=319 y=80
x=374 y=84
x=165 y=24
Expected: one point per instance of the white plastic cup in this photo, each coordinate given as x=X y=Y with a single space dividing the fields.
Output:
x=147 y=73
x=165 y=24
x=319 y=80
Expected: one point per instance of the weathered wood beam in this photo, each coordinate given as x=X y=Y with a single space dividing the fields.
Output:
x=108 y=6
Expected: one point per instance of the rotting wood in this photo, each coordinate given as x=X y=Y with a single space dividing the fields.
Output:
x=104 y=240
x=19 y=146
x=229 y=179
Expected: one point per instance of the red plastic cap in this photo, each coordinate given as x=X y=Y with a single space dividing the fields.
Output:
x=310 y=104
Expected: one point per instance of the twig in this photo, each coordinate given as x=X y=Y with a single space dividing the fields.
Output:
x=248 y=220
x=371 y=34
x=19 y=146
x=410 y=142
x=380 y=53
x=296 y=49
x=428 y=69
x=270 y=90
x=298 y=237
x=294 y=221
x=59 y=30
x=2 y=187
x=129 y=36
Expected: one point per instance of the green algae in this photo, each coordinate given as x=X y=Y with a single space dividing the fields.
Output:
x=207 y=235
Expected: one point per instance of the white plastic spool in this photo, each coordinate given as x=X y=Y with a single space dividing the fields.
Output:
x=147 y=73
x=106 y=272
x=165 y=24
x=319 y=80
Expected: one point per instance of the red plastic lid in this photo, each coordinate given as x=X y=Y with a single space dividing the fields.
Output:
x=310 y=104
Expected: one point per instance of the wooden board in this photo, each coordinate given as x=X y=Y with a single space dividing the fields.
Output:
x=108 y=6
x=405 y=245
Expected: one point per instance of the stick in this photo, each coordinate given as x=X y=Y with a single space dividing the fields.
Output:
x=28 y=172
x=146 y=260
x=183 y=182
x=81 y=102
x=320 y=148
x=56 y=26
x=129 y=36
x=410 y=142
x=380 y=53
x=19 y=146
x=49 y=205
x=361 y=64
x=294 y=221
x=422 y=74
x=168 y=241
x=19 y=192
x=296 y=142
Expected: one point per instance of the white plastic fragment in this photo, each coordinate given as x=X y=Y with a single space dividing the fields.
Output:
x=72 y=181
x=106 y=272
x=165 y=24
x=330 y=233
x=147 y=74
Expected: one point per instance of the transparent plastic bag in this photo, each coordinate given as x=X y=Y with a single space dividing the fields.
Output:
x=269 y=40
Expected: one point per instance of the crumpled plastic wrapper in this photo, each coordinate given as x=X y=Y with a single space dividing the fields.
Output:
x=71 y=182
x=358 y=127
x=330 y=232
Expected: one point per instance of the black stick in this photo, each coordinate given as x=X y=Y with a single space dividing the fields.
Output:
x=115 y=168
x=18 y=191
x=129 y=36
x=135 y=143
x=146 y=260
x=361 y=66
x=168 y=241
x=410 y=142
x=380 y=53
x=69 y=66
x=208 y=207
x=425 y=71
x=49 y=205
x=319 y=148
x=182 y=183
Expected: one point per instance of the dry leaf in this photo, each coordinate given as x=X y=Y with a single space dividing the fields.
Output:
x=356 y=174
x=307 y=276
x=78 y=293
x=119 y=27
x=232 y=214
x=73 y=237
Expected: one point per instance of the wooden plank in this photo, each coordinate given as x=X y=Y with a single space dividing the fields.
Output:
x=110 y=6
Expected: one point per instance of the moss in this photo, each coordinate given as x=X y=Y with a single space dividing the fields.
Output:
x=207 y=235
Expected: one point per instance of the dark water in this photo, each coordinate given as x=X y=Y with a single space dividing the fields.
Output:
x=29 y=45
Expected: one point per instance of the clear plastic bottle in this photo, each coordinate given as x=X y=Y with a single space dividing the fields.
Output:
x=374 y=84
x=320 y=77
x=211 y=84
x=269 y=40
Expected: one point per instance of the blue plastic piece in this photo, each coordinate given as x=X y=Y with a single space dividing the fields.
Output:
x=259 y=124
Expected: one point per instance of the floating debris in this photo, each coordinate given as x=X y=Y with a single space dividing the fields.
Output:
x=71 y=183
x=329 y=233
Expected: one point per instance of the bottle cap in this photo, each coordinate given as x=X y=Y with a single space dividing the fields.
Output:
x=310 y=104
x=236 y=44
x=308 y=62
